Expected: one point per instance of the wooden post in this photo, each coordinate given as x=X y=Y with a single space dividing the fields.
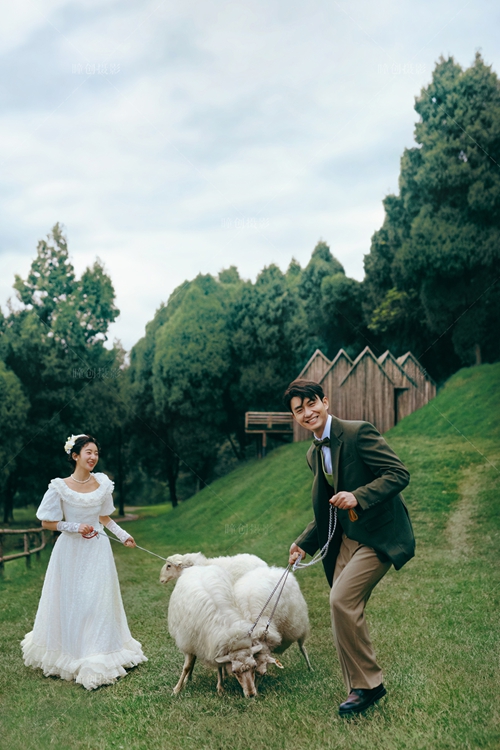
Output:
x=42 y=544
x=27 y=550
x=1 y=555
x=264 y=444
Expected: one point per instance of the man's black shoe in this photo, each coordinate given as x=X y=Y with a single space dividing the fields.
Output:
x=360 y=699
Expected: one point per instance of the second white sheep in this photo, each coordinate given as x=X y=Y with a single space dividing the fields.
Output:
x=235 y=565
x=290 y=622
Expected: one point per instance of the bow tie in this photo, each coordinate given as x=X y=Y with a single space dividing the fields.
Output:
x=319 y=443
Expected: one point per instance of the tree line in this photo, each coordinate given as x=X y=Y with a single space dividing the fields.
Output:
x=171 y=416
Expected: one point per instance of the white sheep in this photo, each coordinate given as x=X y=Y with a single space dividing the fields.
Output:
x=290 y=621
x=206 y=623
x=236 y=565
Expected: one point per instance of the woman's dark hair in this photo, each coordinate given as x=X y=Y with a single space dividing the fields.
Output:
x=303 y=389
x=80 y=442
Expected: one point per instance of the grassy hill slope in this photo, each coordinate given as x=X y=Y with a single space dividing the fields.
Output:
x=469 y=404
x=434 y=623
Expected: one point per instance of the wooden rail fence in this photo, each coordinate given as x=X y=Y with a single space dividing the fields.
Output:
x=40 y=539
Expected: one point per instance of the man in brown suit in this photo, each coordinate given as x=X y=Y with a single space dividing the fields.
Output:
x=355 y=471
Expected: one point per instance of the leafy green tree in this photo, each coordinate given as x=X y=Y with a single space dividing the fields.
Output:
x=191 y=372
x=269 y=340
x=437 y=254
x=14 y=408
x=151 y=443
x=229 y=275
x=180 y=378
x=321 y=265
x=343 y=315
x=54 y=343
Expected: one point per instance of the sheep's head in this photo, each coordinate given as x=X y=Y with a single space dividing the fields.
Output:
x=241 y=664
x=175 y=564
x=169 y=572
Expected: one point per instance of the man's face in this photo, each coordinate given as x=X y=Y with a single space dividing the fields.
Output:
x=311 y=414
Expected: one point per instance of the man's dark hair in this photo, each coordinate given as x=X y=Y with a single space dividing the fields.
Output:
x=303 y=389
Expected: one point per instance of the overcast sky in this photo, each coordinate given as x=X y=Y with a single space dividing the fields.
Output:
x=176 y=138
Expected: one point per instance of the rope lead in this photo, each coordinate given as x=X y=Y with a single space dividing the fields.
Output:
x=103 y=533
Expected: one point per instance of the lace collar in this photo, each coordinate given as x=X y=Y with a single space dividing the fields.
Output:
x=84 y=499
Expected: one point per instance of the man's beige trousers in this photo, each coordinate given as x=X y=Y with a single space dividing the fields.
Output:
x=357 y=572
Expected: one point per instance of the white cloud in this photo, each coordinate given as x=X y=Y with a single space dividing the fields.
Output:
x=231 y=134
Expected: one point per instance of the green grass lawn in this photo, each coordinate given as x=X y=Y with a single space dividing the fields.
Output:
x=435 y=623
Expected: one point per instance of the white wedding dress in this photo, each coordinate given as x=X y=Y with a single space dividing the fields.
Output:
x=81 y=631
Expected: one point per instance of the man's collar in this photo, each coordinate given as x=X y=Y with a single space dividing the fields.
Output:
x=326 y=431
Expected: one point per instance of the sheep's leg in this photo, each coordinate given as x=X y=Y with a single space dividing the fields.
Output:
x=304 y=653
x=186 y=671
x=220 y=679
x=190 y=673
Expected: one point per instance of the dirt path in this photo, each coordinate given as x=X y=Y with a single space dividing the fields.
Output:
x=462 y=516
x=460 y=519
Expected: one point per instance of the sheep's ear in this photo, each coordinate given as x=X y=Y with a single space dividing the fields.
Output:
x=255 y=649
x=222 y=659
x=272 y=660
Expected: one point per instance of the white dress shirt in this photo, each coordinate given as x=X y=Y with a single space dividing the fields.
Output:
x=327 y=454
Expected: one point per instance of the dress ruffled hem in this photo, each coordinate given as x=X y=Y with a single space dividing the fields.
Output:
x=91 y=671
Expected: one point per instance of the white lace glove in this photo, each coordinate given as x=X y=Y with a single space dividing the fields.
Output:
x=68 y=526
x=118 y=531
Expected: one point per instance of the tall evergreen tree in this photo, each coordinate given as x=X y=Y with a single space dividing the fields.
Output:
x=434 y=264
x=268 y=340
x=54 y=343
x=14 y=408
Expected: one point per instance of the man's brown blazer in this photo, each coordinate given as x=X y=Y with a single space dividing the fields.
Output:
x=364 y=464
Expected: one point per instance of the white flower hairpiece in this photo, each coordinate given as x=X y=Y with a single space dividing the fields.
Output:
x=68 y=445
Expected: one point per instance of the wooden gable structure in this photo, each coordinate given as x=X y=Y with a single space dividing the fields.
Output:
x=367 y=392
x=316 y=367
x=380 y=390
x=333 y=377
x=404 y=386
x=425 y=385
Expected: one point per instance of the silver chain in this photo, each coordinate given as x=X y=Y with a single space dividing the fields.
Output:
x=322 y=553
x=284 y=576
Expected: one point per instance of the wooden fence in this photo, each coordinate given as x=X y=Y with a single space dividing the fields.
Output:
x=40 y=538
x=268 y=423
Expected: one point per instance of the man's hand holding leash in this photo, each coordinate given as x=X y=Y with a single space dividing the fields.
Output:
x=295 y=554
x=344 y=500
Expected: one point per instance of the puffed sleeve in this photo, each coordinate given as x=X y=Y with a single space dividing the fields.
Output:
x=107 y=506
x=50 y=509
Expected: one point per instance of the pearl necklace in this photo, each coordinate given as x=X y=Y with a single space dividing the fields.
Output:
x=82 y=481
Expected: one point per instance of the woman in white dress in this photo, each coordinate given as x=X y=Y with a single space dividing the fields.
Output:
x=81 y=631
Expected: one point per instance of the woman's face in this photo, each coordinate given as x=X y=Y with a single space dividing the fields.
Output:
x=88 y=457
